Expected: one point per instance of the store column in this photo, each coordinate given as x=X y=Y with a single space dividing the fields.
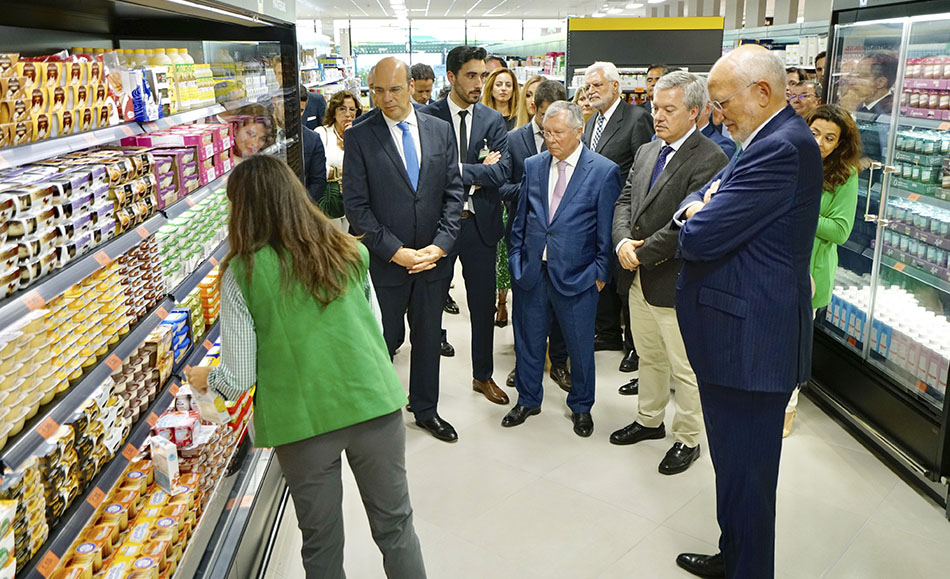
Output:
x=786 y=11
x=817 y=10
x=755 y=13
x=734 y=14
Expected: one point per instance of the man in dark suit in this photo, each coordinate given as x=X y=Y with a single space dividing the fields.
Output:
x=313 y=112
x=314 y=157
x=423 y=76
x=664 y=172
x=743 y=300
x=713 y=133
x=525 y=142
x=653 y=74
x=615 y=131
x=404 y=196
x=560 y=259
x=483 y=159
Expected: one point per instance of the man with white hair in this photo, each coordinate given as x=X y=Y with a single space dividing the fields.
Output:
x=743 y=301
x=664 y=172
x=560 y=259
x=616 y=131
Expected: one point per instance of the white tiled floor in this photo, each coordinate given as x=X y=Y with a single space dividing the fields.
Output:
x=536 y=501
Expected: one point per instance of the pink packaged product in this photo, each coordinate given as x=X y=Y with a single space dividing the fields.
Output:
x=223 y=162
x=168 y=195
x=221 y=133
x=166 y=179
x=192 y=183
x=206 y=172
x=177 y=427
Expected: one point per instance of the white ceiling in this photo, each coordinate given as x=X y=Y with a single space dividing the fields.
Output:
x=323 y=9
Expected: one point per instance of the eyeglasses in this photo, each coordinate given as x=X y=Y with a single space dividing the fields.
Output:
x=798 y=97
x=556 y=135
x=718 y=104
x=395 y=91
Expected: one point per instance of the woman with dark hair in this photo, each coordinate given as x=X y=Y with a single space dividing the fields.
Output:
x=342 y=110
x=297 y=320
x=502 y=94
x=840 y=145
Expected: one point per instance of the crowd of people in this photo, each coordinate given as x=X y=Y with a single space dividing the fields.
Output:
x=666 y=230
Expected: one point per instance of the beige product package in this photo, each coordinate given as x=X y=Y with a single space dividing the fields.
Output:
x=12 y=88
x=87 y=119
x=45 y=126
x=38 y=100
x=15 y=111
x=53 y=76
x=67 y=122
x=34 y=71
x=165 y=463
x=8 y=62
x=60 y=98
x=16 y=134
x=76 y=73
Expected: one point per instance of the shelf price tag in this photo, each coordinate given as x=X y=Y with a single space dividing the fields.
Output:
x=33 y=301
x=173 y=389
x=162 y=313
x=90 y=139
x=47 y=428
x=189 y=201
x=247 y=501
x=127 y=130
x=213 y=260
x=47 y=564
x=852 y=342
x=913 y=197
x=96 y=497
x=130 y=452
x=899 y=266
x=207 y=344
x=102 y=258
x=944 y=126
x=113 y=362
x=142 y=231
x=4 y=164
x=151 y=419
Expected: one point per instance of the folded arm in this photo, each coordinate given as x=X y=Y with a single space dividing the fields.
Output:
x=494 y=176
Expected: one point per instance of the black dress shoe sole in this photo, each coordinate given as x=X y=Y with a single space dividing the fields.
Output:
x=640 y=437
x=561 y=384
x=453 y=437
x=501 y=324
x=529 y=412
x=510 y=382
x=681 y=467
x=700 y=571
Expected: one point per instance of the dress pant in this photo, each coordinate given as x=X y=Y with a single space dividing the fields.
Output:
x=662 y=357
x=557 y=348
x=744 y=430
x=532 y=311
x=376 y=453
x=478 y=271
x=422 y=298
x=609 y=312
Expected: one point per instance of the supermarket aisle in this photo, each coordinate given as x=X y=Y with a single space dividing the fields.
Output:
x=536 y=501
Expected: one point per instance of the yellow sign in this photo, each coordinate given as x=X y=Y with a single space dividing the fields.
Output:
x=672 y=23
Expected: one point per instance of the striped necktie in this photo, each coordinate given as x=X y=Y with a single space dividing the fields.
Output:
x=601 y=121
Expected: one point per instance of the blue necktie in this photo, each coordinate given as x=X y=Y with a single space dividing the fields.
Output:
x=660 y=163
x=409 y=151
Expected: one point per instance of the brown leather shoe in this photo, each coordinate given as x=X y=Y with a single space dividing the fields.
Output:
x=490 y=390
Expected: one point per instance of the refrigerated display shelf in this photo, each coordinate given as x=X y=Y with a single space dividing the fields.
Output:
x=81 y=512
x=919 y=159
x=939 y=198
x=37 y=295
x=32 y=152
x=918 y=269
x=920 y=234
x=197 y=196
x=192 y=281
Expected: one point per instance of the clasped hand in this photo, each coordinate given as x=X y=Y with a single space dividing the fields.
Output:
x=695 y=207
x=418 y=260
x=628 y=254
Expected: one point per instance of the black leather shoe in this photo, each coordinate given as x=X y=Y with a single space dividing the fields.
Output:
x=631 y=388
x=562 y=377
x=678 y=458
x=447 y=350
x=630 y=362
x=705 y=566
x=634 y=433
x=603 y=343
x=438 y=428
x=518 y=415
x=450 y=306
x=583 y=423
x=510 y=380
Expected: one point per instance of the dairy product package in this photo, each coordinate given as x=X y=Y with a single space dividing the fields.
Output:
x=165 y=463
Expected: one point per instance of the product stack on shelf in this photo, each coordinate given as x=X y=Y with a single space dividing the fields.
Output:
x=188 y=240
x=926 y=91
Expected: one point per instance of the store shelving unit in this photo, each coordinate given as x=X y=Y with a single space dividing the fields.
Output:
x=36 y=25
x=883 y=371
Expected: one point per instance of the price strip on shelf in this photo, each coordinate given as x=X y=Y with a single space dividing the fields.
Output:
x=944 y=126
x=127 y=130
x=142 y=231
x=47 y=564
x=91 y=139
x=129 y=452
x=162 y=313
x=96 y=497
x=913 y=197
x=102 y=258
x=852 y=342
x=213 y=260
x=151 y=419
x=189 y=201
x=4 y=164
x=33 y=301
x=247 y=501
x=47 y=428
x=207 y=344
x=173 y=389
x=113 y=362
x=899 y=266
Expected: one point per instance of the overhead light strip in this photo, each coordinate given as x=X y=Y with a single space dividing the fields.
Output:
x=212 y=9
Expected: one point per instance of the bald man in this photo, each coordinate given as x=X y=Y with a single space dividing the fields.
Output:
x=743 y=301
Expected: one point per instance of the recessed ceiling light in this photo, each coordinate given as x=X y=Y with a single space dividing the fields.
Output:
x=634 y=5
x=655 y=1
x=598 y=15
x=614 y=11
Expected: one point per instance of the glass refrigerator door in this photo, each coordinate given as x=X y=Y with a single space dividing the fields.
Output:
x=864 y=68
x=910 y=333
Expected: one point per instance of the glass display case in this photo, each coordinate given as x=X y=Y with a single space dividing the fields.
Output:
x=882 y=347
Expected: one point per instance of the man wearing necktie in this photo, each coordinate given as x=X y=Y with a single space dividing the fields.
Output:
x=404 y=196
x=664 y=172
x=616 y=131
x=484 y=163
x=560 y=259
x=524 y=142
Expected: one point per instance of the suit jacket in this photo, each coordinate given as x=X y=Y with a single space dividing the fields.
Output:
x=520 y=147
x=314 y=164
x=743 y=297
x=487 y=125
x=645 y=213
x=314 y=111
x=578 y=238
x=727 y=145
x=368 y=114
x=629 y=127
x=381 y=204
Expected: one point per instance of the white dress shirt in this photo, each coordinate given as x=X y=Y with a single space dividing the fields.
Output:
x=676 y=147
x=397 y=135
x=538 y=134
x=456 y=124
x=610 y=112
x=572 y=160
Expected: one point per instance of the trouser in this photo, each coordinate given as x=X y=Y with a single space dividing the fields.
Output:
x=744 y=430
x=532 y=311
x=376 y=453
x=422 y=298
x=609 y=314
x=663 y=356
x=557 y=347
x=478 y=271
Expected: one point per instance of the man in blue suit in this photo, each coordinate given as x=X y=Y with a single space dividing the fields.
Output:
x=404 y=196
x=480 y=133
x=743 y=301
x=524 y=142
x=560 y=259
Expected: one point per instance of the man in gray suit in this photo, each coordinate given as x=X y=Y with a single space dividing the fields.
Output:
x=664 y=172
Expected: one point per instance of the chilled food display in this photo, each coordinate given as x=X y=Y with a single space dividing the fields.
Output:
x=188 y=240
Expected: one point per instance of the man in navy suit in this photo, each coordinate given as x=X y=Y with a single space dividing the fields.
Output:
x=404 y=196
x=525 y=142
x=424 y=77
x=743 y=301
x=560 y=259
x=483 y=160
